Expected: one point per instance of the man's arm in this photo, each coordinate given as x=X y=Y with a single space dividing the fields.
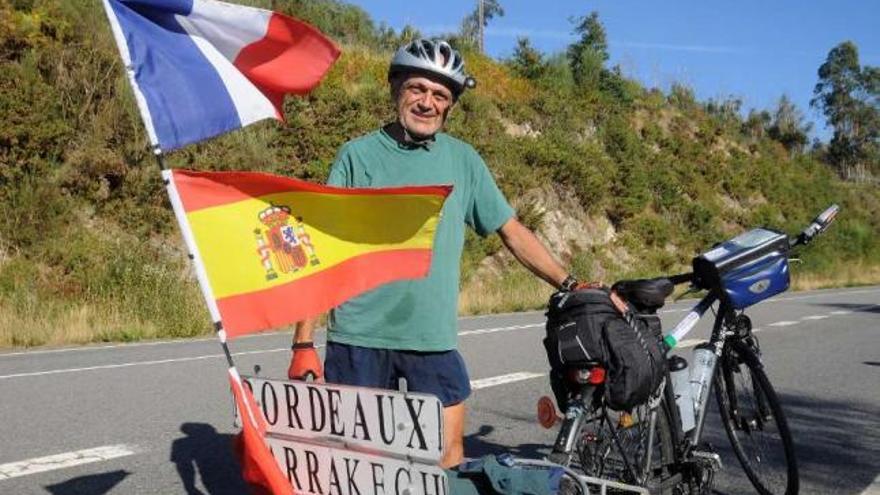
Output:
x=304 y=330
x=305 y=359
x=532 y=253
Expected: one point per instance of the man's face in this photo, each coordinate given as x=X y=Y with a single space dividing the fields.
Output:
x=422 y=105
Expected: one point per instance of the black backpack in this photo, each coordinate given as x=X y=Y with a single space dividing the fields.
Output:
x=583 y=326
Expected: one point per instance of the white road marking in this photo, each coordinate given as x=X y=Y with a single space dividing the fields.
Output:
x=494 y=381
x=135 y=344
x=481 y=331
x=138 y=363
x=65 y=460
x=815 y=317
x=783 y=323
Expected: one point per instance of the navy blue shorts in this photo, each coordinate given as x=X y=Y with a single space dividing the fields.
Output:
x=442 y=374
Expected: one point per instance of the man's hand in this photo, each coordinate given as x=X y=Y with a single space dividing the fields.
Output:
x=619 y=303
x=305 y=361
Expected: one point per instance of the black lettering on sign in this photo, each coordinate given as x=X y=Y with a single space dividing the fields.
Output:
x=350 y=472
x=334 y=478
x=270 y=407
x=416 y=424
x=248 y=384
x=315 y=401
x=312 y=469
x=439 y=430
x=437 y=484
x=359 y=419
x=386 y=417
x=397 y=487
x=292 y=397
x=290 y=461
x=378 y=478
x=333 y=398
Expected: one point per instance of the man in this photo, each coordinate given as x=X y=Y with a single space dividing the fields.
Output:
x=409 y=328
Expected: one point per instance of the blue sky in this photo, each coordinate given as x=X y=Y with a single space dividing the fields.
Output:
x=752 y=50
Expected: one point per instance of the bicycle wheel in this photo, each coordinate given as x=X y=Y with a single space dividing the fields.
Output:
x=754 y=421
x=616 y=446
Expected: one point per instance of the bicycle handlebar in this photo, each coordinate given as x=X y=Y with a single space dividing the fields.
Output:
x=817 y=226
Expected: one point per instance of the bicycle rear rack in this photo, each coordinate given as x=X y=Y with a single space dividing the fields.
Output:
x=588 y=484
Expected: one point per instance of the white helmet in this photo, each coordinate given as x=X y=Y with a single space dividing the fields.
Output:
x=434 y=57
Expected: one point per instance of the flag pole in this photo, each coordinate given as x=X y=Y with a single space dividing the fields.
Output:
x=192 y=252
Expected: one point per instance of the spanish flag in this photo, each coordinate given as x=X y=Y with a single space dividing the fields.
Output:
x=270 y=251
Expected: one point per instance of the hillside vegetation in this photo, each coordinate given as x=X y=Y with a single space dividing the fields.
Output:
x=621 y=180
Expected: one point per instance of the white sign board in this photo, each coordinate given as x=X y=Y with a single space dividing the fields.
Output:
x=385 y=422
x=322 y=470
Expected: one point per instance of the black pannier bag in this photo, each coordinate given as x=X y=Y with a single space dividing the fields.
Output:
x=583 y=326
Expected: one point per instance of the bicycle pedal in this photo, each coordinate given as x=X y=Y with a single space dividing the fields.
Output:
x=710 y=457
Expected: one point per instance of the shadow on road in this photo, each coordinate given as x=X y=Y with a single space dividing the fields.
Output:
x=93 y=484
x=207 y=453
x=859 y=308
x=476 y=445
x=837 y=443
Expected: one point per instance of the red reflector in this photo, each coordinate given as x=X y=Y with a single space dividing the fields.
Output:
x=597 y=375
x=546 y=412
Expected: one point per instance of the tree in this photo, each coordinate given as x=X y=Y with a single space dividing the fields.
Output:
x=756 y=123
x=588 y=55
x=470 y=25
x=788 y=126
x=527 y=61
x=848 y=96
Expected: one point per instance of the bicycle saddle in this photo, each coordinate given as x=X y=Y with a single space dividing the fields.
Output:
x=647 y=295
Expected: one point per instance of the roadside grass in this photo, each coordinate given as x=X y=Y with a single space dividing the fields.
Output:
x=845 y=275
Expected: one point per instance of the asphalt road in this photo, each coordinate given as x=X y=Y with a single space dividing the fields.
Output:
x=157 y=417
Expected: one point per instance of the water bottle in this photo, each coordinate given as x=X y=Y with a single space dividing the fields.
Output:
x=701 y=373
x=681 y=387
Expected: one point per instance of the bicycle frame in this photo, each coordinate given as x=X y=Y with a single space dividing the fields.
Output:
x=575 y=411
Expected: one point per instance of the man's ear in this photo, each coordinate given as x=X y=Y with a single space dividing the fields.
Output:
x=449 y=110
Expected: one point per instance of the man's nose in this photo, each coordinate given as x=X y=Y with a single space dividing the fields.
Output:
x=426 y=100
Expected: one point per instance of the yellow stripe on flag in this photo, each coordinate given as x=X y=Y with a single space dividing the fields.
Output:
x=234 y=241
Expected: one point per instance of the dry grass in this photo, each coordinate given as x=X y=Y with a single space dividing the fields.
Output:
x=73 y=324
x=847 y=275
x=517 y=290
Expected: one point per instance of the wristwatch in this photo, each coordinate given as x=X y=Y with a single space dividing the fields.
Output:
x=569 y=283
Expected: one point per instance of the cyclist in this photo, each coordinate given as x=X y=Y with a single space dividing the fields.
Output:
x=408 y=328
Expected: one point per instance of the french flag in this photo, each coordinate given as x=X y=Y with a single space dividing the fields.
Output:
x=200 y=68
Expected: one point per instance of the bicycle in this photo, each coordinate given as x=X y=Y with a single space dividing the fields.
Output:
x=656 y=447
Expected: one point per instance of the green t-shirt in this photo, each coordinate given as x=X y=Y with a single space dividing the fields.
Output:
x=418 y=314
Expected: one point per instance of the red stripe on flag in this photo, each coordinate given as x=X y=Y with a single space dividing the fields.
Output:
x=199 y=190
x=291 y=58
x=310 y=296
x=258 y=467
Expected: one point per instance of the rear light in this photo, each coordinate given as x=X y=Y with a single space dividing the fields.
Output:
x=547 y=416
x=593 y=376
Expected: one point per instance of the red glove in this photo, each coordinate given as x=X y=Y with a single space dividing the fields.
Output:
x=305 y=361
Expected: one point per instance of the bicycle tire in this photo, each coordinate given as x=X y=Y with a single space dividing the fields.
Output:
x=747 y=402
x=600 y=456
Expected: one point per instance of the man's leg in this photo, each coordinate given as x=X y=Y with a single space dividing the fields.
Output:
x=444 y=375
x=453 y=429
